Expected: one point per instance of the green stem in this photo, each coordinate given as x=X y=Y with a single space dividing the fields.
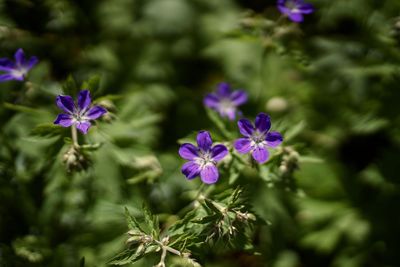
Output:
x=74 y=135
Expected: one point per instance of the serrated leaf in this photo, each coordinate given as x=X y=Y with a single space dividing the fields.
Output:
x=125 y=257
x=210 y=205
x=132 y=223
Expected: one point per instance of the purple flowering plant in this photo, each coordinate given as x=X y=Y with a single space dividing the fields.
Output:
x=202 y=160
x=257 y=139
x=18 y=69
x=78 y=114
x=225 y=101
x=295 y=9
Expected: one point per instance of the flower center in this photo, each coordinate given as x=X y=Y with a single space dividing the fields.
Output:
x=258 y=137
x=20 y=73
x=292 y=5
x=204 y=159
x=226 y=105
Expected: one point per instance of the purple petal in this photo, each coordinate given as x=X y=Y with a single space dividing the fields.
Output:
x=188 y=151
x=84 y=99
x=231 y=114
x=306 y=8
x=223 y=89
x=263 y=122
x=242 y=145
x=218 y=152
x=66 y=103
x=204 y=140
x=260 y=154
x=211 y=101
x=95 y=112
x=190 y=169
x=64 y=120
x=32 y=62
x=245 y=127
x=282 y=8
x=6 y=64
x=239 y=97
x=19 y=57
x=83 y=126
x=7 y=77
x=274 y=139
x=295 y=16
x=209 y=174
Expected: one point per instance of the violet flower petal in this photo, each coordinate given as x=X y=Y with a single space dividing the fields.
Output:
x=260 y=154
x=188 y=151
x=84 y=99
x=19 y=57
x=239 y=97
x=211 y=101
x=218 y=152
x=274 y=139
x=204 y=140
x=95 y=112
x=242 y=145
x=209 y=174
x=83 y=126
x=223 y=90
x=64 y=120
x=6 y=77
x=190 y=169
x=296 y=16
x=6 y=64
x=246 y=128
x=263 y=122
x=306 y=8
x=66 y=103
x=32 y=62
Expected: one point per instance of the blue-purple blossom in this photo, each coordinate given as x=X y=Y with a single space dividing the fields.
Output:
x=225 y=101
x=257 y=139
x=16 y=70
x=295 y=9
x=202 y=160
x=79 y=114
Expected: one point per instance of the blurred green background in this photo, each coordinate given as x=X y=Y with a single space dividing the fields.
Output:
x=334 y=78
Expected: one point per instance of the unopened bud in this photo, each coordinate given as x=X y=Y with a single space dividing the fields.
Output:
x=277 y=104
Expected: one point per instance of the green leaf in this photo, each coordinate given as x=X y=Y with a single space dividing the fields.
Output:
x=21 y=108
x=91 y=147
x=93 y=84
x=132 y=223
x=69 y=86
x=47 y=130
x=210 y=205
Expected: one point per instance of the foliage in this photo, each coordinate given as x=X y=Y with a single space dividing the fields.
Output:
x=327 y=196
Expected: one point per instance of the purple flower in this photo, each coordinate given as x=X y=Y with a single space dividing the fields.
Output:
x=257 y=139
x=295 y=9
x=19 y=69
x=79 y=114
x=224 y=101
x=202 y=159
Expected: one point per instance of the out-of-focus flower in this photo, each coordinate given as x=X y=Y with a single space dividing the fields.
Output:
x=79 y=114
x=295 y=9
x=202 y=160
x=257 y=139
x=225 y=101
x=16 y=70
